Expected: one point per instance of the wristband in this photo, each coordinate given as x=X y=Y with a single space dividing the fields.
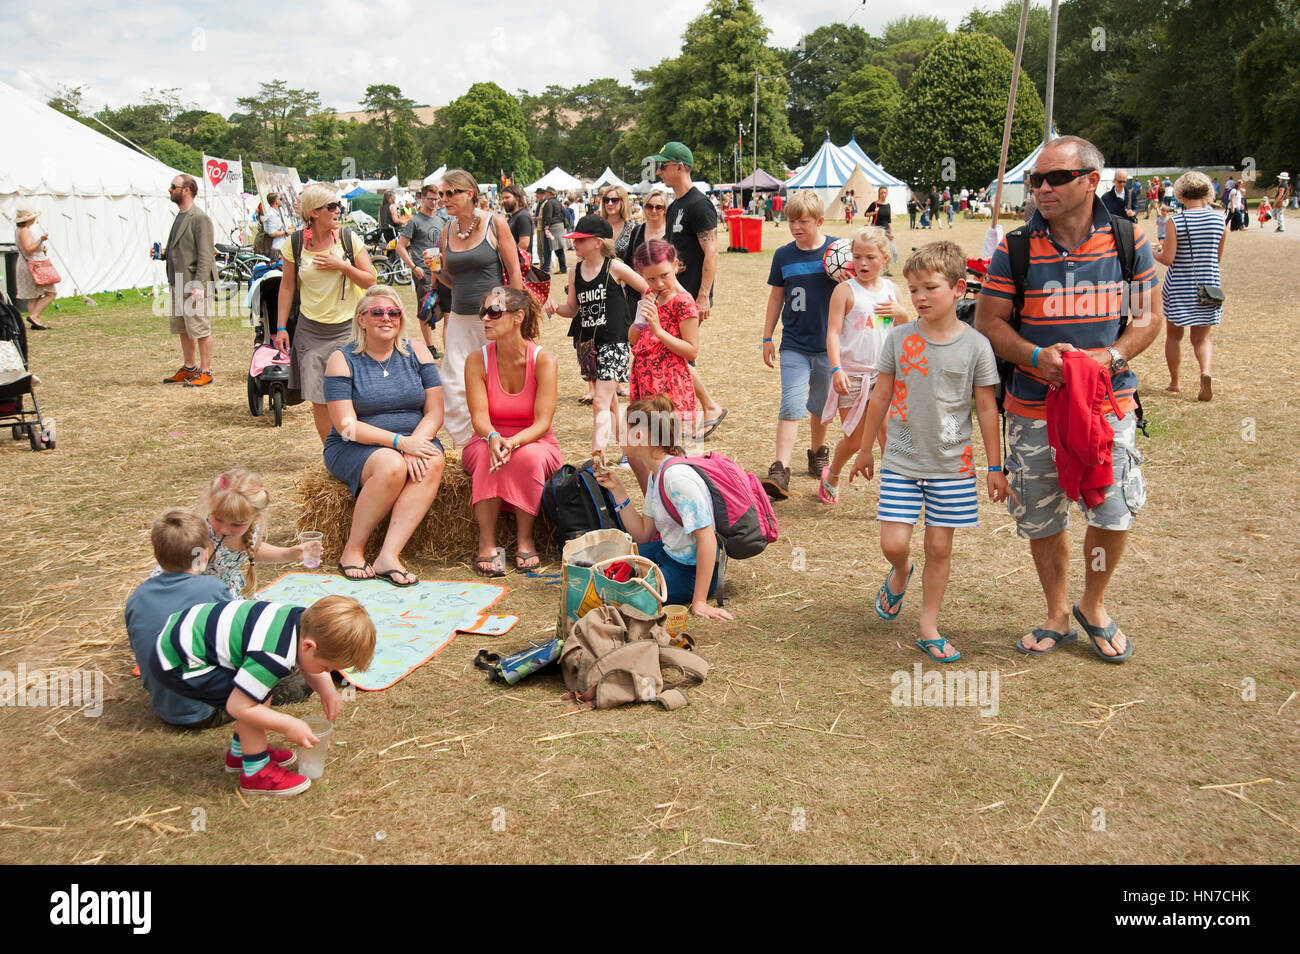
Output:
x=395 y=437
x=625 y=503
x=278 y=330
x=1034 y=357
x=834 y=369
x=492 y=435
x=996 y=469
x=766 y=340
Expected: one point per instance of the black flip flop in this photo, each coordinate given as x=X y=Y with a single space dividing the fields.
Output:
x=343 y=572
x=711 y=426
x=1041 y=633
x=1107 y=633
x=387 y=577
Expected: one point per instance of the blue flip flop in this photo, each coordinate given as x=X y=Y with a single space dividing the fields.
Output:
x=892 y=604
x=925 y=646
x=1041 y=633
x=1107 y=633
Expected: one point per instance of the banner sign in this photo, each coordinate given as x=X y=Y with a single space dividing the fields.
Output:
x=223 y=176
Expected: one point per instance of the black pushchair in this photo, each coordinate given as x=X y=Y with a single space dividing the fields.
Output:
x=16 y=383
x=268 y=370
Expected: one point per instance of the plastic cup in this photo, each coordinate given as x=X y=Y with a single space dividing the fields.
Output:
x=311 y=762
x=676 y=622
x=433 y=258
x=311 y=548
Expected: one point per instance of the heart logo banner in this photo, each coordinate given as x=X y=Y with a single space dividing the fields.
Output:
x=223 y=175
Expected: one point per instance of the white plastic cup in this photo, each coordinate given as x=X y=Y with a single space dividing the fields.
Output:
x=311 y=762
x=433 y=258
x=311 y=548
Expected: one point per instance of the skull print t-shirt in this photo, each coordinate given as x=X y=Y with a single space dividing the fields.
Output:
x=928 y=427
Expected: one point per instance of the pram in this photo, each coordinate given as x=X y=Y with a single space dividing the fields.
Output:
x=16 y=382
x=268 y=369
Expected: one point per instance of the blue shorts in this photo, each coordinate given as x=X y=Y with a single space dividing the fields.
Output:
x=805 y=382
x=949 y=502
x=679 y=577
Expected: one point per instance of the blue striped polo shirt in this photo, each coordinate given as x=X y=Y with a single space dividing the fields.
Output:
x=808 y=291
x=1071 y=295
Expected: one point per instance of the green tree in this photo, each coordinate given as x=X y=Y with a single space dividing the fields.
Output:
x=178 y=156
x=211 y=134
x=820 y=64
x=1267 y=85
x=948 y=127
x=68 y=100
x=320 y=152
x=482 y=132
x=701 y=97
x=393 y=117
x=578 y=129
x=906 y=42
x=862 y=107
x=274 y=118
x=1004 y=23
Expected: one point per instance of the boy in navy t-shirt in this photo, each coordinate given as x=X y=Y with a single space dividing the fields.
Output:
x=800 y=296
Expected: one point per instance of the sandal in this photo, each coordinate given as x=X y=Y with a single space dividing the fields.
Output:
x=492 y=565
x=892 y=604
x=1106 y=633
x=390 y=576
x=931 y=646
x=711 y=426
x=364 y=568
x=1040 y=633
x=532 y=561
x=826 y=493
x=37 y=326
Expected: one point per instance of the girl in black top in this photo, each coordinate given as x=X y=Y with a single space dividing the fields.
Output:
x=601 y=320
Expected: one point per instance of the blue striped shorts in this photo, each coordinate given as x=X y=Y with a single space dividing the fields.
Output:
x=949 y=502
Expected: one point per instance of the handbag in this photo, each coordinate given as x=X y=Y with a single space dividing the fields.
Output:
x=43 y=271
x=584 y=585
x=1208 y=295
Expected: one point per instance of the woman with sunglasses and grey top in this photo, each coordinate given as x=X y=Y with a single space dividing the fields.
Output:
x=329 y=283
x=478 y=254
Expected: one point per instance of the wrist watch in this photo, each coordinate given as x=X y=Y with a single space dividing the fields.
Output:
x=1117 y=362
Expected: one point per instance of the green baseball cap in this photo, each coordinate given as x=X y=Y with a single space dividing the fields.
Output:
x=675 y=152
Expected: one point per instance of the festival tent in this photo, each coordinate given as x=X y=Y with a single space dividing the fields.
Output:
x=556 y=179
x=878 y=177
x=864 y=193
x=607 y=178
x=1013 y=181
x=825 y=173
x=102 y=203
x=435 y=177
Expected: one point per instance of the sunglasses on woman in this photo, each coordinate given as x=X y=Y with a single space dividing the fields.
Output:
x=450 y=192
x=379 y=311
x=655 y=208
x=612 y=198
x=492 y=311
x=1057 y=177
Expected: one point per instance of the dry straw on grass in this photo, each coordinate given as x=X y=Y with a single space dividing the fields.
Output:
x=447 y=534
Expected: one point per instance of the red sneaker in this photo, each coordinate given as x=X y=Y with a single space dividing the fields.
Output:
x=281 y=757
x=273 y=780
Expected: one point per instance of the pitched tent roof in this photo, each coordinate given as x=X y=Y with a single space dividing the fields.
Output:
x=874 y=173
x=863 y=190
x=102 y=202
x=435 y=177
x=830 y=167
x=1013 y=181
x=760 y=180
x=607 y=178
x=557 y=178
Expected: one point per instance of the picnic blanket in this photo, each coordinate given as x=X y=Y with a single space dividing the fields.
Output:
x=412 y=624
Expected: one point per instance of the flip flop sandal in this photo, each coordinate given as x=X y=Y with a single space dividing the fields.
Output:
x=932 y=646
x=826 y=493
x=892 y=604
x=526 y=557
x=711 y=426
x=343 y=572
x=1107 y=633
x=391 y=577
x=1040 y=633
x=496 y=564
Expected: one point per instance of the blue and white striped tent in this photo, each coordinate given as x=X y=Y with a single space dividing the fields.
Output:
x=1013 y=182
x=825 y=173
x=878 y=177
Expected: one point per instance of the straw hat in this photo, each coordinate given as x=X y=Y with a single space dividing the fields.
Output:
x=25 y=214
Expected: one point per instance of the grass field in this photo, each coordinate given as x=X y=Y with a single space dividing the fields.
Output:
x=792 y=750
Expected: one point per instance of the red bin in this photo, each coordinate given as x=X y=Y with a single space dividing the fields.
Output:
x=751 y=233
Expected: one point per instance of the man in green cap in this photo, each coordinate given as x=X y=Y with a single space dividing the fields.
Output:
x=692 y=224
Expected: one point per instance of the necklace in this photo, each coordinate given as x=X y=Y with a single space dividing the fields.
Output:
x=383 y=366
x=473 y=220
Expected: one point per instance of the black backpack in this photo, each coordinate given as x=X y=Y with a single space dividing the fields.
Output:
x=1018 y=253
x=577 y=504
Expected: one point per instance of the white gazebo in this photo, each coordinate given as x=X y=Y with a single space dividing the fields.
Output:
x=558 y=180
x=607 y=178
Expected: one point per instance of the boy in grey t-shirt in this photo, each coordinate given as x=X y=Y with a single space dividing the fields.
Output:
x=927 y=373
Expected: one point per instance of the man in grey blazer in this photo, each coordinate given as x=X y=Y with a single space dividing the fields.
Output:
x=191 y=270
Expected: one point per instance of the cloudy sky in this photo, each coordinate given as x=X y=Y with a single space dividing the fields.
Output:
x=216 y=52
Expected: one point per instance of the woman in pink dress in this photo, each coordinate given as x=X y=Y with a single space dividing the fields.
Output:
x=512 y=387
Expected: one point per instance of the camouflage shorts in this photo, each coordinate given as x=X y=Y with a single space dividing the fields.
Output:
x=1039 y=505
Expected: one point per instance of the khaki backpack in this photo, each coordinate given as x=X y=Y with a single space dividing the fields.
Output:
x=618 y=655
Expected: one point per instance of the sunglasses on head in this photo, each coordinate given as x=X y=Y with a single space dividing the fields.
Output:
x=1057 y=177
x=378 y=311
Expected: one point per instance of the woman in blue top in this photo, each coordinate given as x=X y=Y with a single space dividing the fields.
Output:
x=686 y=552
x=385 y=402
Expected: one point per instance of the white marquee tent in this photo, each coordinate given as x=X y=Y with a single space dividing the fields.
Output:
x=607 y=178
x=825 y=173
x=878 y=177
x=102 y=203
x=556 y=179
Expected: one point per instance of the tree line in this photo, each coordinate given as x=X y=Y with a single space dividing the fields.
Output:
x=1151 y=82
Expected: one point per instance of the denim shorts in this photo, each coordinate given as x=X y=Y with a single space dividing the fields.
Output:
x=805 y=382
x=678 y=577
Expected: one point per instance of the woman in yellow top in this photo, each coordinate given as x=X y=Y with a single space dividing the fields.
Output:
x=328 y=291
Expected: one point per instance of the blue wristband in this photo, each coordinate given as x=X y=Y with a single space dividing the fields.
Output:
x=1034 y=358
x=625 y=503
x=395 y=437
x=834 y=369
x=766 y=340
x=996 y=469
x=492 y=435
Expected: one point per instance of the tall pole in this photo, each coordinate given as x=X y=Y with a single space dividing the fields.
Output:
x=1051 y=71
x=1011 y=109
x=755 y=123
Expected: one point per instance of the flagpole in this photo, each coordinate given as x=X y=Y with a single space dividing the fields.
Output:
x=1011 y=109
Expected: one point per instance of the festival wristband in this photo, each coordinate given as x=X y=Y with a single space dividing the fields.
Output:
x=834 y=369
x=997 y=469
x=1034 y=357
x=625 y=503
x=395 y=437
x=766 y=340
x=492 y=435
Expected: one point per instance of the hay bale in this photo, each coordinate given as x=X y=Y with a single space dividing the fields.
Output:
x=448 y=533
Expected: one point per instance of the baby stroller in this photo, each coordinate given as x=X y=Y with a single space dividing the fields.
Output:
x=268 y=369
x=16 y=382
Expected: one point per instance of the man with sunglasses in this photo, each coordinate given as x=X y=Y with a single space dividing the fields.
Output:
x=1073 y=298
x=421 y=232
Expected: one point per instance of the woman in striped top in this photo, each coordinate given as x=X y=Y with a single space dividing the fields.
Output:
x=1192 y=249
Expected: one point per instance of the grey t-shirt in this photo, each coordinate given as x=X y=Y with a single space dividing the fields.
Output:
x=423 y=231
x=928 y=426
x=176 y=227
